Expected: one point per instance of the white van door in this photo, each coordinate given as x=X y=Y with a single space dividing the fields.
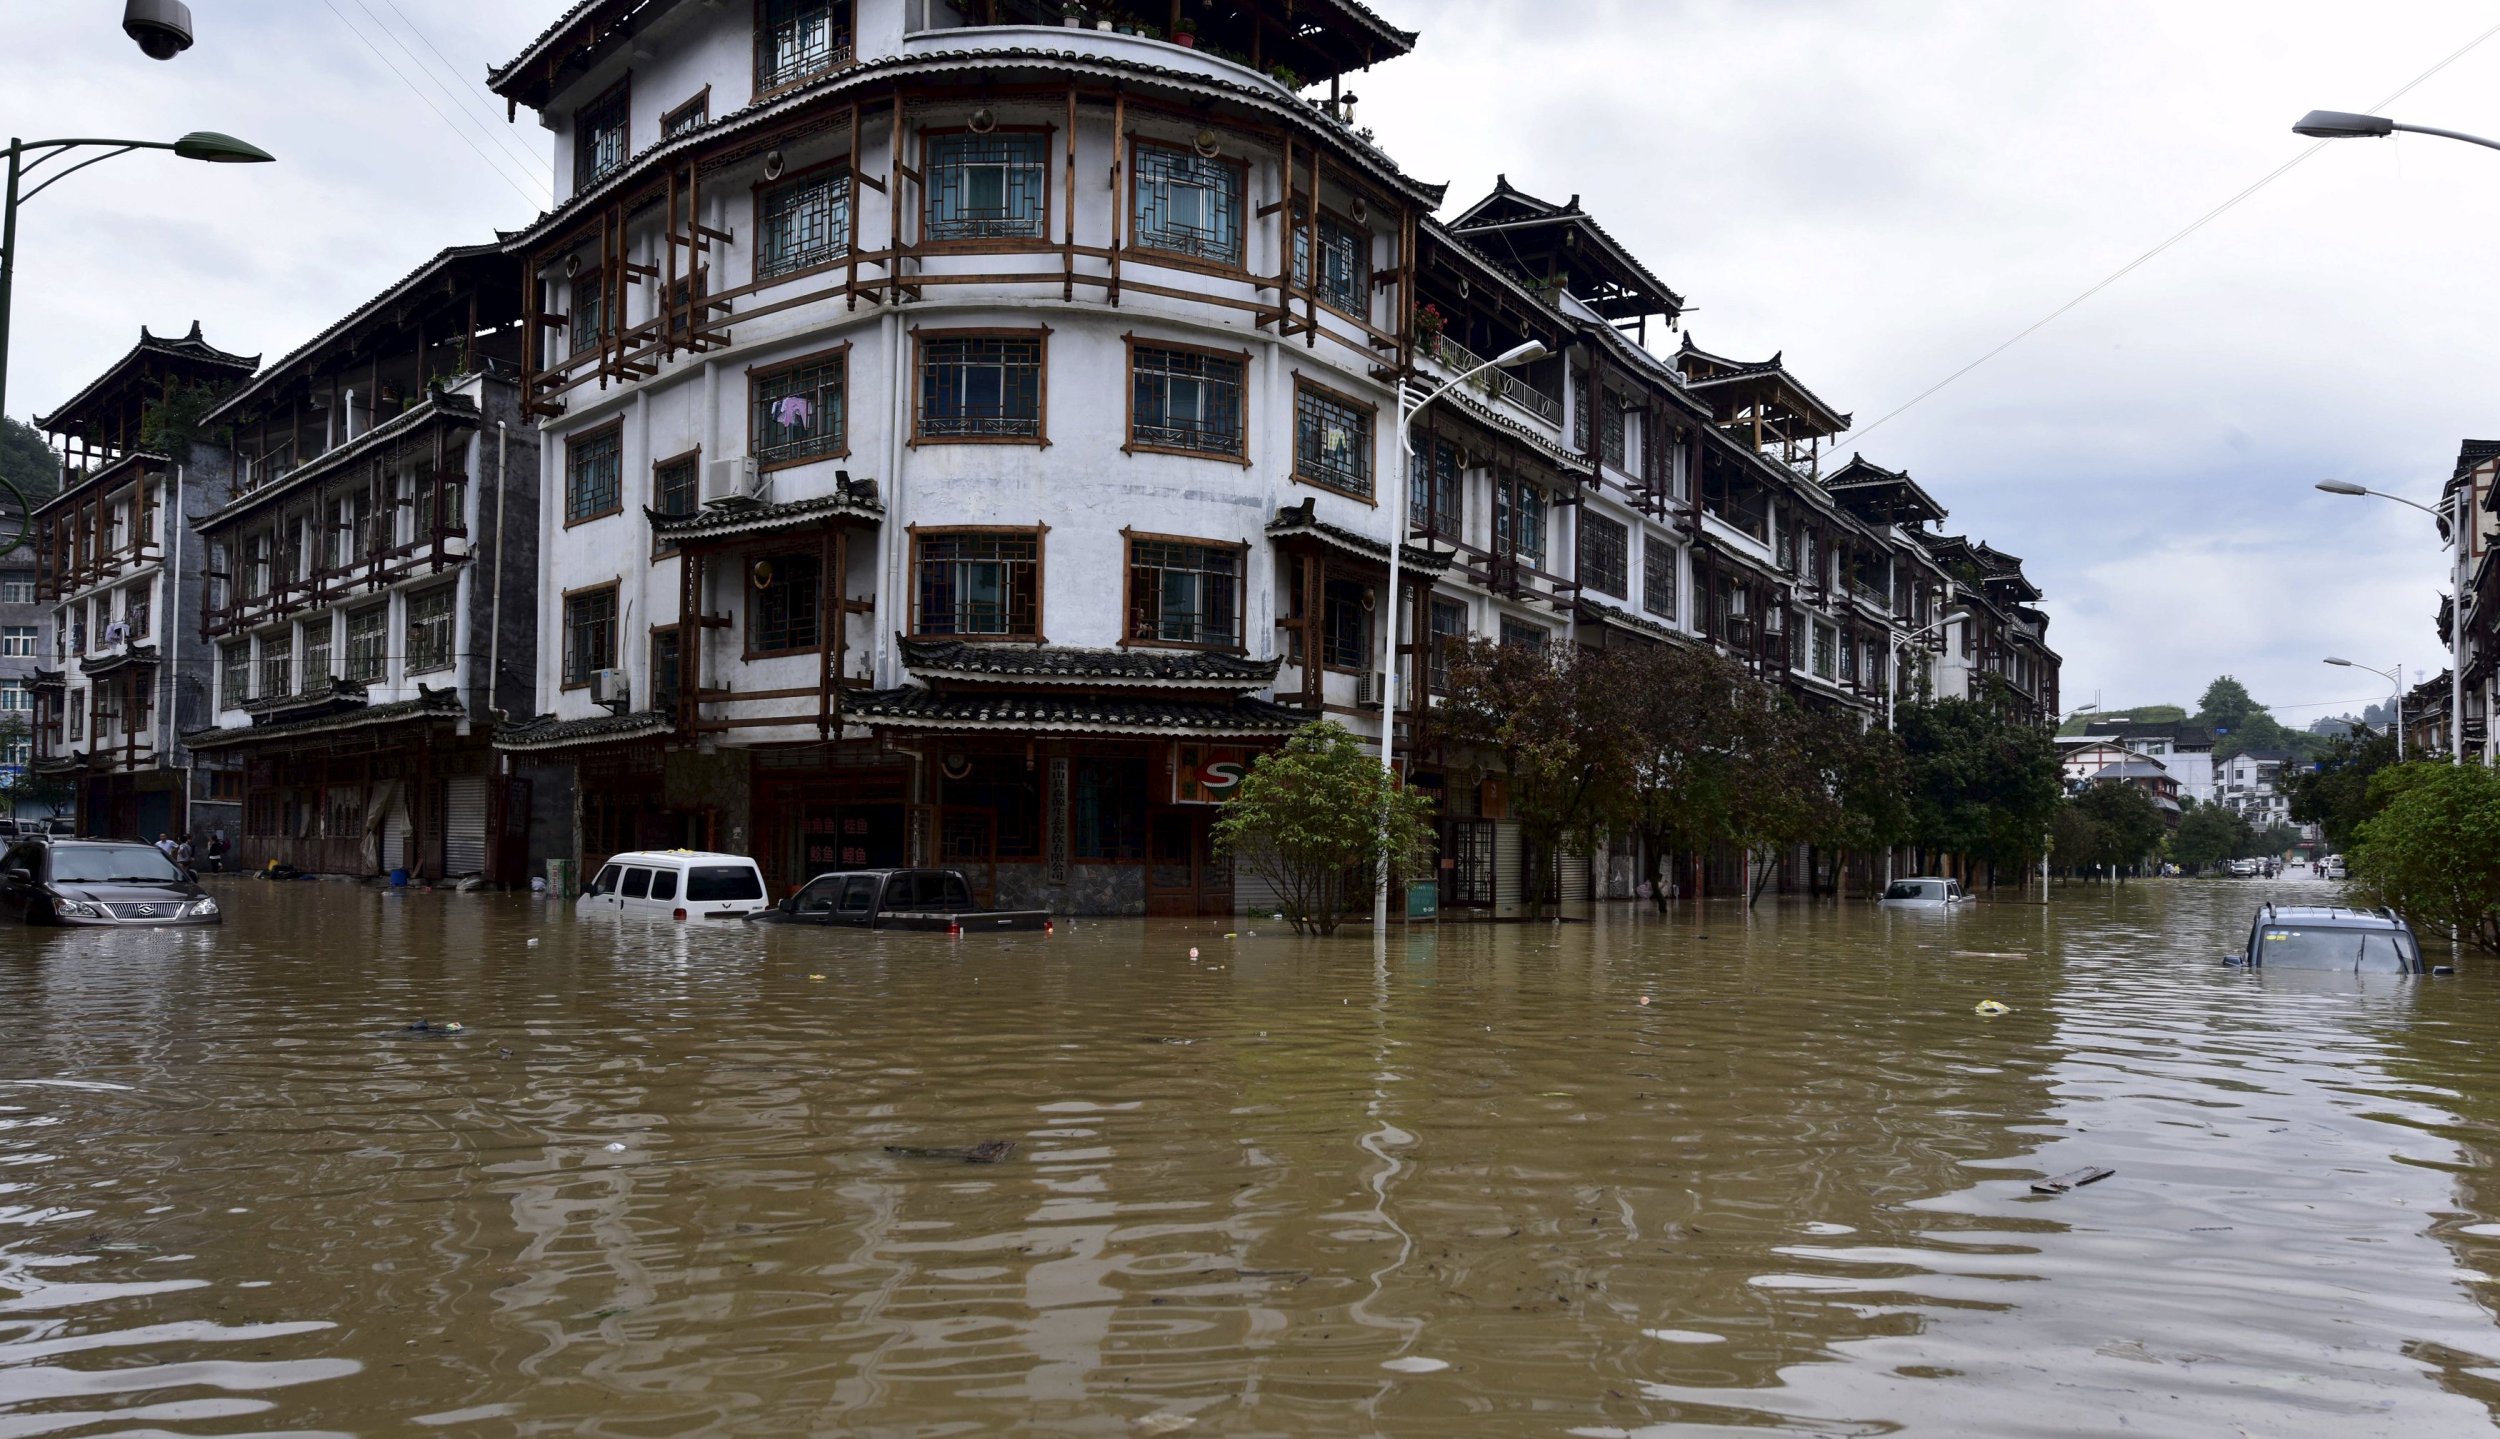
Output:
x=633 y=892
x=600 y=898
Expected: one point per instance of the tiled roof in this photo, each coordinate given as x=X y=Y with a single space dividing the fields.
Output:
x=113 y=664
x=1604 y=613
x=548 y=732
x=714 y=521
x=278 y=371
x=1734 y=370
x=457 y=409
x=1863 y=475
x=1060 y=664
x=914 y=708
x=434 y=705
x=1303 y=519
x=188 y=347
x=2473 y=452
x=1536 y=212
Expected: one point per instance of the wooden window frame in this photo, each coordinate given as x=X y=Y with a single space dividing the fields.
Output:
x=1372 y=621
x=1128 y=399
x=755 y=373
x=755 y=56
x=698 y=104
x=1129 y=540
x=407 y=636
x=615 y=427
x=1040 y=241
x=1041 y=578
x=622 y=92
x=1582 y=532
x=1039 y=439
x=755 y=202
x=746 y=585
x=1181 y=259
x=1371 y=467
x=564 y=629
x=1310 y=288
x=693 y=457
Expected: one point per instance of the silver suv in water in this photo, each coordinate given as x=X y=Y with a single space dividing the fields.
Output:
x=2330 y=937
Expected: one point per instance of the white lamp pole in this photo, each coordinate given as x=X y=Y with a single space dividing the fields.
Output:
x=2395 y=677
x=2455 y=540
x=1401 y=483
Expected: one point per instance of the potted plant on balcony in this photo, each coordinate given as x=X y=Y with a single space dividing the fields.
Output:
x=1287 y=76
x=1072 y=15
x=1429 y=323
x=1185 y=33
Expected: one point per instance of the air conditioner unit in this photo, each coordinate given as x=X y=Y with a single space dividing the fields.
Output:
x=1367 y=689
x=736 y=481
x=607 y=687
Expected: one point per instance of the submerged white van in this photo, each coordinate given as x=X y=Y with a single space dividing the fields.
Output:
x=675 y=884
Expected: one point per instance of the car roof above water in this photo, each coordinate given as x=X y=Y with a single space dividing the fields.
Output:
x=2330 y=916
x=676 y=856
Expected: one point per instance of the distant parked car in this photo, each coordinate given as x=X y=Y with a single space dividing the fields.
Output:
x=2244 y=869
x=99 y=882
x=1925 y=892
x=2330 y=937
x=2331 y=867
x=674 y=884
x=925 y=899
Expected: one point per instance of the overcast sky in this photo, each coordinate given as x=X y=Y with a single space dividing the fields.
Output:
x=1882 y=191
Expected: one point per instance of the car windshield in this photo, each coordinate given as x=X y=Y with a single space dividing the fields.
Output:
x=1913 y=889
x=711 y=883
x=2372 y=951
x=103 y=863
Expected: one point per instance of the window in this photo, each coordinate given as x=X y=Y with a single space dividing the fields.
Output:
x=782 y=609
x=17 y=641
x=797 y=411
x=676 y=487
x=1607 y=407
x=1519 y=521
x=277 y=664
x=1332 y=441
x=1345 y=265
x=1449 y=636
x=20 y=749
x=589 y=311
x=1186 y=400
x=1605 y=555
x=1434 y=500
x=138 y=611
x=1523 y=634
x=978 y=583
x=1823 y=647
x=599 y=130
x=17 y=592
x=77 y=714
x=234 y=675
x=349 y=524
x=987 y=187
x=589 y=634
x=688 y=117
x=980 y=387
x=1184 y=594
x=1345 y=624
x=317 y=671
x=1737 y=501
x=1108 y=809
x=665 y=669
x=594 y=475
x=368 y=642
x=430 y=630
x=16 y=698
x=803 y=224
x=799 y=38
x=1658 y=576
x=1189 y=205
x=1848 y=662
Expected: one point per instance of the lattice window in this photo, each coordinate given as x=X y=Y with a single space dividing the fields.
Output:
x=234 y=673
x=1345 y=624
x=981 y=387
x=1184 y=594
x=589 y=634
x=1188 y=204
x=368 y=643
x=1519 y=511
x=317 y=672
x=1659 y=563
x=988 y=187
x=594 y=476
x=1332 y=442
x=804 y=223
x=1449 y=636
x=588 y=312
x=800 y=412
x=599 y=143
x=1186 y=400
x=277 y=664
x=430 y=628
x=978 y=583
x=783 y=613
x=1435 y=500
x=800 y=38
x=1345 y=265
x=1605 y=555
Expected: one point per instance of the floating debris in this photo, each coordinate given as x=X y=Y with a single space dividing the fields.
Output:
x=2071 y=1179
x=1991 y=1008
x=988 y=1151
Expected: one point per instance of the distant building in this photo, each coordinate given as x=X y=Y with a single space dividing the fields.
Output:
x=2252 y=783
x=21 y=655
x=2185 y=750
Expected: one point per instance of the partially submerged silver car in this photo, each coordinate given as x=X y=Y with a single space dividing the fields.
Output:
x=2334 y=938
x=1924 y=892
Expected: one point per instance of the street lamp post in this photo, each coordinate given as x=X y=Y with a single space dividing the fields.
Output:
x=1401 y=484
x=2395 y=677
x=2455 y=540
x=28 y=156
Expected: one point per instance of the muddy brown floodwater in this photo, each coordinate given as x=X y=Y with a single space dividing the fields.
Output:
x=651 y=1184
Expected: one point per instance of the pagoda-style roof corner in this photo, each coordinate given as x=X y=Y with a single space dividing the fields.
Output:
x=107 y=411
x=1765 y=388
x=1539 y=240
x=1872 y=492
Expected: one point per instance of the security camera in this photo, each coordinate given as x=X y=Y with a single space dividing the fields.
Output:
x=162 y=27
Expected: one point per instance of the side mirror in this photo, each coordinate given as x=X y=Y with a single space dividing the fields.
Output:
x=2443 y=969
x=2235 y=959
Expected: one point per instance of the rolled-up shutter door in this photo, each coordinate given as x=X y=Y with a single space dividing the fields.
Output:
x=1506 y=867
x=394 y=832
x=1575 y=879
x=464 y=824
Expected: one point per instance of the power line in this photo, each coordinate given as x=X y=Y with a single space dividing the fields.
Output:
x=494 y=133
x=491 y=164
x=2199 y=223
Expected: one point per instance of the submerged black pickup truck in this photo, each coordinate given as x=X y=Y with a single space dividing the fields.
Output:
x=937 y=900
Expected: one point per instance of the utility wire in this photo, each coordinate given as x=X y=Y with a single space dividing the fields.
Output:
x=500 y=172
x=2199 y=223
x=497 y=133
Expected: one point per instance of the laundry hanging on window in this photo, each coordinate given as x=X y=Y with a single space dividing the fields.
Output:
x=792 y=412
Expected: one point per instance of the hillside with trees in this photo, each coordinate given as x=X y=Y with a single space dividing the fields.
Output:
x=2239 y=723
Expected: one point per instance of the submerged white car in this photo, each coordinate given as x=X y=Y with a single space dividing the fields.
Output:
x=1924 y=893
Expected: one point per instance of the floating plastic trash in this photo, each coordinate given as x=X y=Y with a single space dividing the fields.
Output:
x=1991 y=1008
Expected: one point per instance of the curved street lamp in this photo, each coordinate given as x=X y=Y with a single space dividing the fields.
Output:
x=2344 y=125
x=2452 y=530
x=2394 y=677
x=28 y=156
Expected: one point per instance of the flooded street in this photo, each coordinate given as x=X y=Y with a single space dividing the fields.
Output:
x=651 y=1184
